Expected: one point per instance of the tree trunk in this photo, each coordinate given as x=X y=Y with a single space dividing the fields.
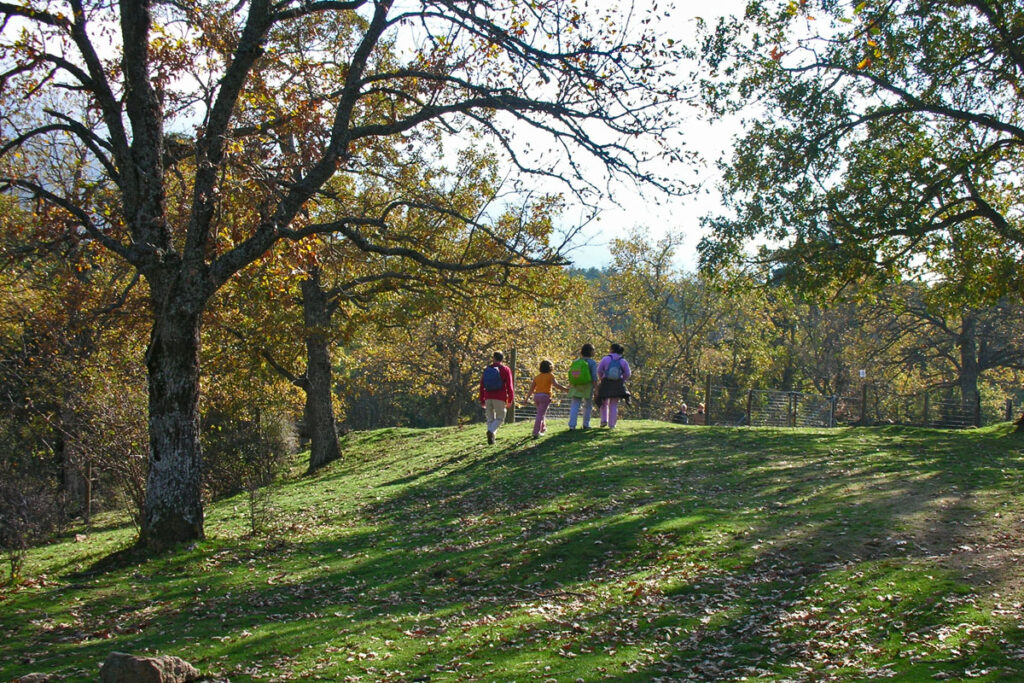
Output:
x=969 y=366
x=72 y=483
x=319 y=411
x=455 y=393
x=174 y=509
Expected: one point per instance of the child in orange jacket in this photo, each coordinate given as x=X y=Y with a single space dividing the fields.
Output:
x=541 y=392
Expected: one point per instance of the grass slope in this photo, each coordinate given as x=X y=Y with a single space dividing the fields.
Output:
x=652 y=552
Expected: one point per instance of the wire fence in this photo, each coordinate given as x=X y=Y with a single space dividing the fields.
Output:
x=944 y=408
x=735 y=407
x=767 y=408
x=557 y=410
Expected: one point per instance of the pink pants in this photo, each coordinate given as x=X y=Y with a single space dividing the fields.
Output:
x=542 y=401
x=609 y=412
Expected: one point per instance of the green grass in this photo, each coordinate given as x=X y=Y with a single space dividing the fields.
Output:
x=652 y=552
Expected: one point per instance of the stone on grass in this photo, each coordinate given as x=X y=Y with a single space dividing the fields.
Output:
x=125 y=668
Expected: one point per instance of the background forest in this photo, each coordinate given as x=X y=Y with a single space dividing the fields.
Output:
x=229 y=230
x=73 y=435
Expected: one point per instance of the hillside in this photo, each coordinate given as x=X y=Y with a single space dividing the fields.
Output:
x=653 y=552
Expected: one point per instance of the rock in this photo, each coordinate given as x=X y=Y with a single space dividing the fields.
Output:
x=125 y=668
x=33 y=678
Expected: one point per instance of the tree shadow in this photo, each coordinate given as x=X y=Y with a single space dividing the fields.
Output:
x=694 y=544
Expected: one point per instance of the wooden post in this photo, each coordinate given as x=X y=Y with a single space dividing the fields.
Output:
x=864 y=404
x=750 y=398
x=707 y=401
x=791 y=418
x=1009 y=410
x=88 y=492
x=510 y=415
x=832 y=411
x=925 y=422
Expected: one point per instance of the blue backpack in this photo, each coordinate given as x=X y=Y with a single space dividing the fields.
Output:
x=614 y=371
x=492 y=378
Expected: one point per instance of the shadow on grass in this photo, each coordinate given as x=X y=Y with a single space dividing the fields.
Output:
x=656 y=552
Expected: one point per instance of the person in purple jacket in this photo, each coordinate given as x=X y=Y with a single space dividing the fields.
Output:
x=612 y=373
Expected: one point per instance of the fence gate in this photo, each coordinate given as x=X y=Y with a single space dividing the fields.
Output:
x=726 y=406
x=952 y=412
x=767 y=408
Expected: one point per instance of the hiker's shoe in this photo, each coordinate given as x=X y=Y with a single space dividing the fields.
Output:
x=490 y=437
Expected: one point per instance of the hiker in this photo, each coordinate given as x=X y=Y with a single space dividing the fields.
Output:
x=496 y=393
x=541 y=392
x=612 y=373
x=582 y=380
x=682 y=416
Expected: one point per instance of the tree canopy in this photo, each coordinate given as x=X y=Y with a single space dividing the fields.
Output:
x=883 y=139
x=176 y=110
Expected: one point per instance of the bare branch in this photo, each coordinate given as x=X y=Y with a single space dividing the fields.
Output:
x=74 y=210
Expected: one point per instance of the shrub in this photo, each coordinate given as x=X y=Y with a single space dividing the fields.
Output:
x=244 y=454
x=28 y=517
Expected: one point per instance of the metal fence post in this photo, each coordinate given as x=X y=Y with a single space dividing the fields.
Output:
x=510 y=416
x=924 y=423
x=832 y=400
x=750 y=398
x=707 y=401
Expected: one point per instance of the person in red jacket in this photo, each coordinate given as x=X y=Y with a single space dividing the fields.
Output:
x=496 y=393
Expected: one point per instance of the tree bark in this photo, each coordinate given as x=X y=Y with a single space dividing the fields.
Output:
x=970 y=368
x=173 y=510
x=455 y=394
x=319 y=410
x=72 y=483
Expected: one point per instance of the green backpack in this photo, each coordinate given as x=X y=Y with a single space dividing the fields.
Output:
x=579 y=372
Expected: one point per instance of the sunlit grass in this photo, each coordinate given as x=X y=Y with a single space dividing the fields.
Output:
x=652 y=552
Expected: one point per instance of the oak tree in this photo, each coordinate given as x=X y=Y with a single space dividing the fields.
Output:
x=179 y=104
x=879 y=138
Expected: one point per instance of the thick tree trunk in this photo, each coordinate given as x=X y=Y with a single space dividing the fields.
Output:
x=173 y=510
x=454 y=400
x=319 y=411
x=73 y=484
x=970 y=369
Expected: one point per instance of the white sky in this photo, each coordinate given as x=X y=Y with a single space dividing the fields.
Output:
x=659 y=214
